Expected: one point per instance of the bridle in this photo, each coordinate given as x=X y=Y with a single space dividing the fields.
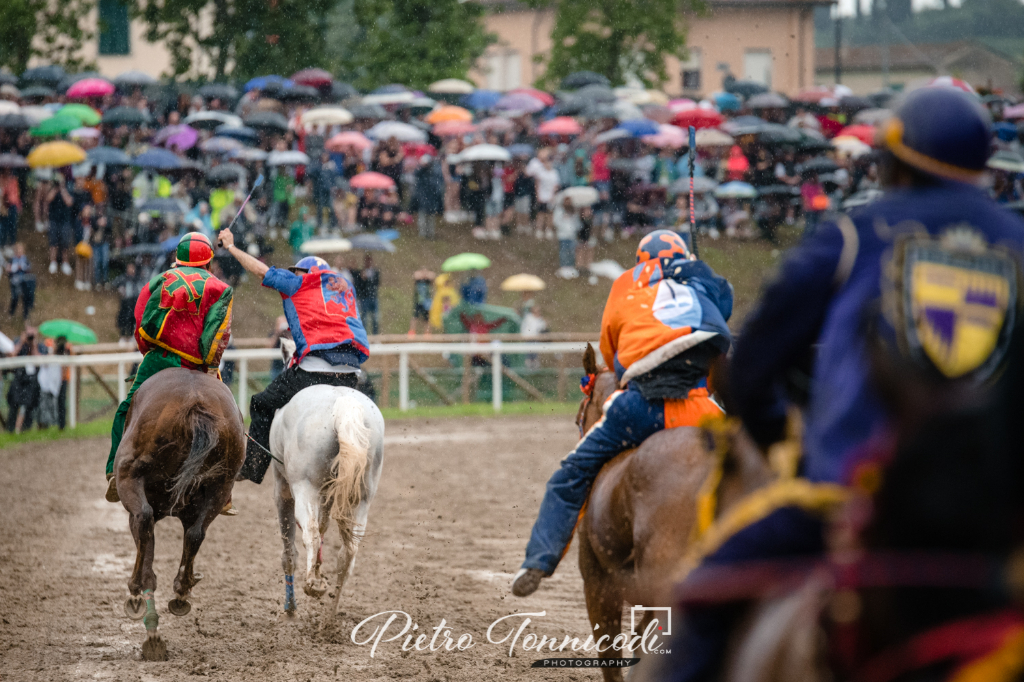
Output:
x=587 y=383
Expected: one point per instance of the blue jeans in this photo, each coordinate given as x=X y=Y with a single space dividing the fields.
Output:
x=567 y=253
x=369 y=314
x=628 y=420
x=100 y=261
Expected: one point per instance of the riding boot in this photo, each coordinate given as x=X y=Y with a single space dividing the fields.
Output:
x=112 y=495
x=257 y=461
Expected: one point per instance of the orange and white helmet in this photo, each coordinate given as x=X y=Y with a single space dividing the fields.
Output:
x=661 y=244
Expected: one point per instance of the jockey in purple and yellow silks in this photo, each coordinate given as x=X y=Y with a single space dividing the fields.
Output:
x=663 y=325
x=182 y=319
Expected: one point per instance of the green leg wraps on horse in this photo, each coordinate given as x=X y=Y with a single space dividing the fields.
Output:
x=153 y=362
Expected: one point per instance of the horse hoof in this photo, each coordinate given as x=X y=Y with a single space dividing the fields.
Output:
x=154 y=649
x=315 y=590
x=196 y=577
x=290 y=608
x=179 y=607
x=135 y=607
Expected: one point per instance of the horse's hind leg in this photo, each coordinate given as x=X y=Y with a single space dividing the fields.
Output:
x=194 y=522
x=286 y=520
x=307 y=515
x=142 y=522
x=351 y=533
x=603 y=593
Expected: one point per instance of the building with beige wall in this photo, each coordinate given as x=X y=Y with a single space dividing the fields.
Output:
x=768 y=41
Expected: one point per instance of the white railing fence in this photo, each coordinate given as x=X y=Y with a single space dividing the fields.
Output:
x=495 y=350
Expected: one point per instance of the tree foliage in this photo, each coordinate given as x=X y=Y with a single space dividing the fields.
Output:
x=49 y=29
x=416 y=42
x=616 y=38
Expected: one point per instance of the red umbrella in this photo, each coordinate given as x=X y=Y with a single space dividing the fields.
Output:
x=454 y=128
x=314 y=78
x=418 y=149
x=563 y=125
x=864 y=133
x=371 y=180
x=349 y=138
x=544 y=97
x=813 y=95
x=90 y=87
x=698 y=118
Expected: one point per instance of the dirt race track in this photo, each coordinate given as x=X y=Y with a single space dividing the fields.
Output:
x=447 y=530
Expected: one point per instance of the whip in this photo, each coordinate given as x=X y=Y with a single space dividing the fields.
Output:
x=259 y=181
x=693 y=219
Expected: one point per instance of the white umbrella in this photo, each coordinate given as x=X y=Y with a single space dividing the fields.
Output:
x=390 y=98
x=327 y=116
x=613 y=134
x=403 y=132
x=287 y=158
x=249 y=154
x=580 y=196
x=735 y=190
x=854 y=147
x=36 y=114
x=335 y=245
x=485 y=152
x=212 y=119
x=626 y=111
x=8 y=107
x=709 y=137
x=451 y=86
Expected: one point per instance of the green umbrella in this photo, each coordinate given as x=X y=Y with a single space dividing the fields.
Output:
x=83 y=112
x=75 y=332
x=466 y=261
x=61 y=124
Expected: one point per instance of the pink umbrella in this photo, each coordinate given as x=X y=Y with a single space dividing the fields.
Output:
x=90 y=87
x=667 y=136
x=349 y=138
x=544 y=97
x=1014 y=112
x=563 y=125
x=657 y=112
x=681 y=104
x=181 y=137
x=454 y=129
x=498 y=125
x=314 y=78
x=371 y=180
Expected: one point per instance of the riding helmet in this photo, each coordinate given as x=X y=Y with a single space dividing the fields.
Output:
x=661 y=244
x=309 y=263
x=194 y=250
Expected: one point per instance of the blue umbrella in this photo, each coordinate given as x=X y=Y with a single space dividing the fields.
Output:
x=110 y=156
x=158 y=159
x=392 y=89
x=521 y=149
x=371 y=242
x=726 y=101
x=170 y=244
x=481 y=99
x=638 y=127
x=1007 y=132
x=261 y=82
x=162 y=205
x=241 y=133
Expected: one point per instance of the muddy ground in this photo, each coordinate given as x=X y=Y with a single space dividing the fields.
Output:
x=447 y=530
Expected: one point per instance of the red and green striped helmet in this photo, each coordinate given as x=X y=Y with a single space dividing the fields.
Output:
x=194 y=250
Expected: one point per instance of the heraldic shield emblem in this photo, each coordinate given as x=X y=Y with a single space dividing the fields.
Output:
x=959 y=303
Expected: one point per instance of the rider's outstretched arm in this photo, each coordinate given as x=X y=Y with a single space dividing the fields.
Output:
x=253 y=265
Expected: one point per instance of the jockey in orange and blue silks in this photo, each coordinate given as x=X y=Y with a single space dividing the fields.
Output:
x=663 y=325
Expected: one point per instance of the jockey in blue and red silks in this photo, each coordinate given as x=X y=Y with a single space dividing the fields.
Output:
x=663 y=325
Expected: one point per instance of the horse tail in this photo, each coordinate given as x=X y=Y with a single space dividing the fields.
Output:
x=345 y=489
x=204 y=439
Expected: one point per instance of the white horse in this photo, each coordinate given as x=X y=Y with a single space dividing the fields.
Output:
x=328 y=445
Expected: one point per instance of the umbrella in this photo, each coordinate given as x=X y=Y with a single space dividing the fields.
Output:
x=390 y=89
x=523 y=282
x=84 y=134
x=540 y=95
x=624 y=111
x=315 y=78
x=864 y=133
x=383 y=98
x=851 y=146
x=580 y=196
x=451 y=86
x=287 y=158
x=349 y=138
x=520 y=102
x=639 y=127
x=875 y=117
x=710 y=137
x=610 y=135
x=44 y=74
x=484 y=152
x=134 y=79
x=163 y=205
x=701 y=185
x=454 y=129
x=55 y=155
x=736 y=190
x=242 y=134
x=481 y=99
x=813 y=95
x=573 y=106
x=419 y=106
x=267 y=120
x=249 y=154
x=581 y=79
x=682 y=104
x=521 y=149
x=91 y=87
x=6 y=106
x=562 y=125
x=226 y=172
x=14 y=122
x=597 y=94
x=373 y=112
x=466 y=261
x=372 y=242
x=157 y=159
x=108 y=156
x=299 y=93
x=449 y=113
x=331 y=245
x=855 y=103
x=342 y=91
x=820 y=164
x=698 y=118
x=776 y=190
x=12 y=161
x=8 y=78
x=327 y=116
x=124 y=116
x=1006 y=160
x=262 y=83
x=659 y=113
x=745 y=88
x=61 y=124
x=768 y=100
x=218 y=91
x=180 y=137
x=403 y=132
x=83 y=112
x=70 y=79
x=74 y=332
x=141 y=250
x=208 y=120
x=951 y=82
x=221 y=145
x=495 y=124
x=37 y=92
x=371 y=180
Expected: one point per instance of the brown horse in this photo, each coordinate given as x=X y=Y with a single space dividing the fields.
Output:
x=183 y=444
x=641 y=516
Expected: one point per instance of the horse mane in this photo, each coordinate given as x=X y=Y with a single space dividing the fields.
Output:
x=205 y=436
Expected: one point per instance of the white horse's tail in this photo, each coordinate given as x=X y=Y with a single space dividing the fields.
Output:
x=345 y=489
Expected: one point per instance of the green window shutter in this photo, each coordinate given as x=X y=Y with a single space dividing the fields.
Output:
x=114 y=27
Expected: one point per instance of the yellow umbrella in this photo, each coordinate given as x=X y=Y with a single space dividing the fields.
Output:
x=523 y=282
x=449 y=113
x=55 y=155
